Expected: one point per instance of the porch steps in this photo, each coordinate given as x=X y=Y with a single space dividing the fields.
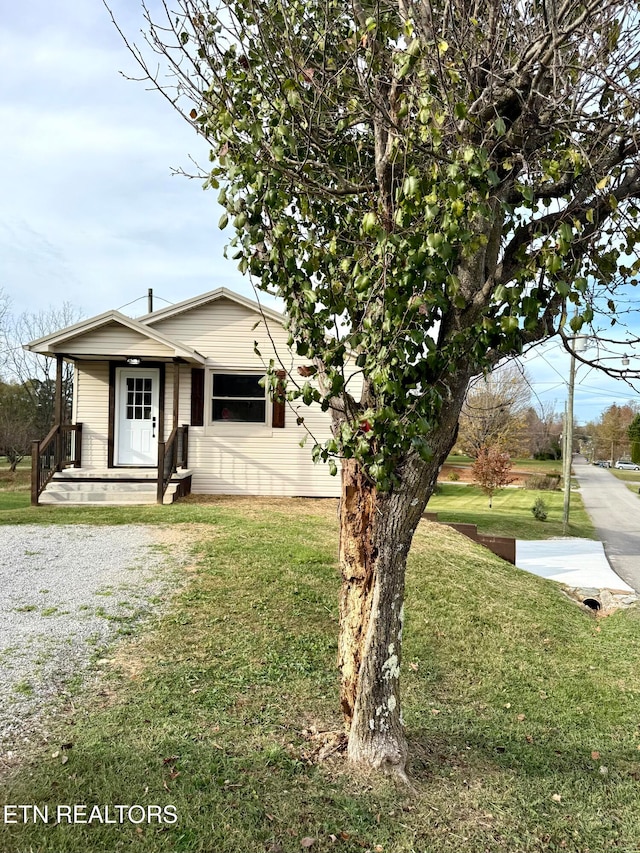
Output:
x=109 y=487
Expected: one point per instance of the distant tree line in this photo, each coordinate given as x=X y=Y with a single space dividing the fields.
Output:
x=615 y=435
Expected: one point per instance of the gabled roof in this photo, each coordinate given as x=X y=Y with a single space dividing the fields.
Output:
x=211 y=296
x=61 y=341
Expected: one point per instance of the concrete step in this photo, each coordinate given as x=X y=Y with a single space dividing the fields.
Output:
x=97 y=498
x=89 y=486
x=113 y=487
x=106 y=474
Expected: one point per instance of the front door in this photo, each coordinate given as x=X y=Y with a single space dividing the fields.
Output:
x=136 y=417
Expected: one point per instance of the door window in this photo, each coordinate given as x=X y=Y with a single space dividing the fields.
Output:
x=138 y=398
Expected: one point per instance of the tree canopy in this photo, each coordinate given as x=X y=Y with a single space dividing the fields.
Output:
x=495 y=412
x=430 y=187
x=427 y=186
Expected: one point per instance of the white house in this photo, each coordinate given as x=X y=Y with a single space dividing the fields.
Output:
x=171 y=403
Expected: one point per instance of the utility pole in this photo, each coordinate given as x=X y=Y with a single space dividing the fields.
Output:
x=567 y=444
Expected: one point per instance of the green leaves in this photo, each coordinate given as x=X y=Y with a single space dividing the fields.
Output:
x=416 y=222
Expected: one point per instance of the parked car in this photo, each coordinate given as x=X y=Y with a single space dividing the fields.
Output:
x=623 y=465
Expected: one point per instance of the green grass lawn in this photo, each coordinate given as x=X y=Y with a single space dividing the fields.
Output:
x=521 y=710
x=511 y=513
x=536 y=466
x=625 y=476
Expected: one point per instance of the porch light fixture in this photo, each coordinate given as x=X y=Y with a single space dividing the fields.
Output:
x=133 y=360
x=625 y=360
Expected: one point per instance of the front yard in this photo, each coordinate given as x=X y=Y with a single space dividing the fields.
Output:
x=521 y=709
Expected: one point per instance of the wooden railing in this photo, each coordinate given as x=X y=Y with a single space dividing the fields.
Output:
x=62 y=448
x=172 y=454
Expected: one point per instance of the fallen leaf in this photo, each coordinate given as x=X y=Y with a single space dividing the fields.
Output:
x=307 y=841
x=508 y=705
x=165 y=786
x=595 y=755
x=345 y=836
x=55 y=754
x=64 y=759
x=414 y=666
x=171 y=759
x=521 y=717
x=556 y=798
x=435 y=712
x=603 y=770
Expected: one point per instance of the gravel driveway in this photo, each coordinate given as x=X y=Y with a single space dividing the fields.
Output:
x=65 y=591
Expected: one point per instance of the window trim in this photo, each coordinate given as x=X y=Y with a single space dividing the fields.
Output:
x=239 y=428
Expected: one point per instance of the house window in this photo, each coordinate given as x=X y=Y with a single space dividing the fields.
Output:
x=238 y=398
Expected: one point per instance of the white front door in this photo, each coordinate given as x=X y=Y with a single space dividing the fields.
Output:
x=136 y=416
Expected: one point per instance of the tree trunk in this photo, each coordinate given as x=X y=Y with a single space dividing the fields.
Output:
x=375 y=535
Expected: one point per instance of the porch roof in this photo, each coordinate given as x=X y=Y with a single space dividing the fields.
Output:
x=113 y=335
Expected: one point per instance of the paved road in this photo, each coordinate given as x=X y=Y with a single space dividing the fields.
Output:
x=615 y=512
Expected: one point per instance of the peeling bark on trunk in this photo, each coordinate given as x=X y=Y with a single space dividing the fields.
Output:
x=375 y=536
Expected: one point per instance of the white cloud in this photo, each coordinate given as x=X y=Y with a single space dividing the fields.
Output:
x=91 y=212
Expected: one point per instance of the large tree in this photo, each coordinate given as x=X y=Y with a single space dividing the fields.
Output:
x=36 y=374
x=17 y=429
x=611 y=433
x=427 y=186
x=543 y=429
x=494 y=412
x=633 y=433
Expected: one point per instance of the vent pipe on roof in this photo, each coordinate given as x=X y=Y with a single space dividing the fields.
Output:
x=150 y=301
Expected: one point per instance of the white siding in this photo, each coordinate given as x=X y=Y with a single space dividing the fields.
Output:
x=269 y=461
x=266 y=462
x=92 y=411
x=114 y=339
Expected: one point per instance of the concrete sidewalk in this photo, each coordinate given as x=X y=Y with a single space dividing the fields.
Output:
x=579 y=563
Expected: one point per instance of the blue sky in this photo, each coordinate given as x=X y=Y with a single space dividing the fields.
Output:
x=91 y=213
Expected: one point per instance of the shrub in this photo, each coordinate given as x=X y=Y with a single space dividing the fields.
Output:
x=542 y=482
x=539 y=510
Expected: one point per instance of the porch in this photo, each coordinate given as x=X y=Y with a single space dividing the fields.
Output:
x=57 y=476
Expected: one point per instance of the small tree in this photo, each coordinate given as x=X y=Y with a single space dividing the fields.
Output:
x=491 y=470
